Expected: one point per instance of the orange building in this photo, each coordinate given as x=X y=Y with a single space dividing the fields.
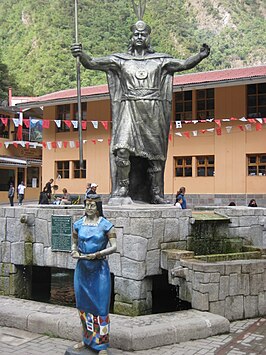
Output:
x=20 y=158
x=217 y=141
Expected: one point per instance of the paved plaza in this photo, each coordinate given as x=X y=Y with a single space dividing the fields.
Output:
x=245 y=337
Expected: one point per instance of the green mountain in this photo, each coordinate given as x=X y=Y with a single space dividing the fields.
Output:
x=35 y=36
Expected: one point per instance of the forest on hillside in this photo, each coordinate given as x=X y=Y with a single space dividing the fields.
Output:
x=36 y=35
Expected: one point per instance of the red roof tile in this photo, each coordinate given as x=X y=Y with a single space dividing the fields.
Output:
x=184 y=79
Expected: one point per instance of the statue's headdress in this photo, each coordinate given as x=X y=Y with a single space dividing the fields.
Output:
x=139 y=10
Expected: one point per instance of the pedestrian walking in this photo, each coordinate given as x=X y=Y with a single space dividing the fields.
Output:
x=21 y=192
x=11 y=194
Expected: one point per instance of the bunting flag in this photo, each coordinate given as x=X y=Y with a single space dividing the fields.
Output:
x=20 y=124
x=67 y=123
x=219 y=131
x=228 y=129
x=4 y=121
x=84 y=124
x=95 y=124
x=105 y=124
x=58 y=123
x=45 y=123
x=75 y=123
x=26 y=122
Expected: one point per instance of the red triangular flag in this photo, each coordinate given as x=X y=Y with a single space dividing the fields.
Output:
x=258 y=126
x=170 y=137
x=4 y=121
x=187 y=134
x=1 y=144
x=219 y=131
x=84 y=124
x=77 y=144
x=15 y=144
x=251 y=120
x=218 y=122
x=19 y=131
x=44 y=144
x=54 y=145
x=109 y=141
x=65 y=144
x=241 y=128
x=93 y=141
x=26 y=122
x=27 y=144
x=67 y=123
x=203 y=131
x=105 y=124
x=46 y=123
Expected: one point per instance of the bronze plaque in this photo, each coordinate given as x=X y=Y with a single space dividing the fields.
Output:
x=61 y=233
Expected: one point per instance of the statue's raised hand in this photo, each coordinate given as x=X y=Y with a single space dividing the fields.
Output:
x=205 y=50
x=76 y=49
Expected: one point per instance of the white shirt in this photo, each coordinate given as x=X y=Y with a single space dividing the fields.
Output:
x=21 y=189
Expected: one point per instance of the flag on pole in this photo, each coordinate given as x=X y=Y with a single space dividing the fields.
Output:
x=20 y=124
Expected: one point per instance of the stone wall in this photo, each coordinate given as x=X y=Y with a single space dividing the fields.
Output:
x=233 y=289
x=143 y=233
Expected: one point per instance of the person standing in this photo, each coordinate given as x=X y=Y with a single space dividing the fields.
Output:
x=11 y=194
x=92 y=282
x=21 y=192
x=48 y=188
x=180 y=195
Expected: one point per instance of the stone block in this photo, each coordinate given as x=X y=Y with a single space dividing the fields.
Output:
x=41 y=231
x=171 y=230
x=153 y=262
x=135 y=247
x=6 y=252
x=232 y=267
x=200 y=301
x=123 y=222
x=2 y=229
x=213 y=292
x=262 y=303
x=251 y=306
x=9 y=212
x=243 y=284
x=224 y=287
x=233 y=285
x=44 y=322
x=256 y=284
x=4 y=285
x=158 y=230
x=131 y=269
x=38 y=256
x=18 y=253
x=130 y=290
x=183 y=228
x=141 y=227
x=234 y=307
x=253 y=266
x=49 y=257
x=115 y=264
x=217 y=307
x=247 y=221
x=119 y=240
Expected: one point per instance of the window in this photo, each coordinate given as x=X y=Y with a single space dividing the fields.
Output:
x=6 y=177
x=257 y=164
x=183 y=105
x=33 y=177
x=183 y=166
x=79 y=173
x=62 y=169
x=63 y=114
x=205 y=166
x=256 y=99
x=205 y=104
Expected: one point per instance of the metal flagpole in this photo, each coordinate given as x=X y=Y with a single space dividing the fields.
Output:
x=78 y=91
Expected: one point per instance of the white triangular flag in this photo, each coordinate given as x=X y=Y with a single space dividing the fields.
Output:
x=59 y=144
x=95 y=124
x=243 y=119
x=16 y=122
x=75 y=123
x=195 y=133
x=72 y=144
x=49 y=145
x=248 y=127
x=228 y=129
x=58 y=123
x=178 y=134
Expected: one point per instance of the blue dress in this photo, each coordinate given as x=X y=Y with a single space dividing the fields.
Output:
x=92 y=284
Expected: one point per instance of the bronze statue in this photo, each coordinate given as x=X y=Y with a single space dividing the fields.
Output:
x=140 y=85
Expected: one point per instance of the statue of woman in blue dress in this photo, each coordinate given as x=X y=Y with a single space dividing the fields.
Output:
x=92 y=283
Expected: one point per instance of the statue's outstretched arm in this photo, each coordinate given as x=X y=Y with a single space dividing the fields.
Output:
x=175 y=65
x=88 y=62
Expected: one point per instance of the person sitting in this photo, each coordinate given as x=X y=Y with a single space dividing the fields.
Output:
x=66 y=198
x=252 y=203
